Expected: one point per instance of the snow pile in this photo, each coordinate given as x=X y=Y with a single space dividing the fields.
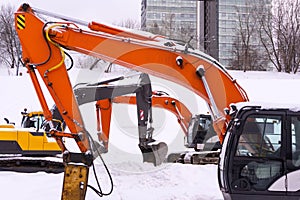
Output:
x=169 y=181
x=269 y=86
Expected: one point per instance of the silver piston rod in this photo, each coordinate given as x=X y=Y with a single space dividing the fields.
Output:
x=213 y=106
x=62 y=17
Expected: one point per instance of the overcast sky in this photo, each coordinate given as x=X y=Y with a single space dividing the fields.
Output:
x=105 y=11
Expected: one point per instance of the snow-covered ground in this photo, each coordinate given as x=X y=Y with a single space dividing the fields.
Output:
x=132 y=178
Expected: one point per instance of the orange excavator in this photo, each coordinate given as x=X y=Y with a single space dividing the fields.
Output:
x=104 y=93
x=42 y=51
x=197 y=129
x=260 y=143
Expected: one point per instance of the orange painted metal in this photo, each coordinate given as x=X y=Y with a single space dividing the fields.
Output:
x=37 y=52
x=158 y=60
x=155 y=57
x=170 y=104
x=95 y=26
x=104 y=108
x=103 y=113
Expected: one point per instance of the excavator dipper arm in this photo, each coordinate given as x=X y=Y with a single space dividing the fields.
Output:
x=104 y=95
x=171 y=104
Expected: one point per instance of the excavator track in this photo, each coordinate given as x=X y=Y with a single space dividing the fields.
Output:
x=31 y=164
x=196 y=158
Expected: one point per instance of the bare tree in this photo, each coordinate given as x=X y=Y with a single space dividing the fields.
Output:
x=155 y=29
x=9 y=44
x=92 y=62
x=280 y=34
x=89 y=62
x=165 y=26
x=168 y=27
x=130 y=23
x=246 y=49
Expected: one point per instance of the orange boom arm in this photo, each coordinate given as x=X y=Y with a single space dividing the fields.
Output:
x=147 y=53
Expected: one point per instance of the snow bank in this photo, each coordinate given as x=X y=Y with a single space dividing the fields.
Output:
x=131 y=181
x=169 y=181
x=271 y=87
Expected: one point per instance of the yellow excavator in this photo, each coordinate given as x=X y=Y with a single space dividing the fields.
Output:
x=30 y=139
x=26 y=149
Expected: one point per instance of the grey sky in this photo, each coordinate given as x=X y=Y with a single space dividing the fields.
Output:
x=105 y=11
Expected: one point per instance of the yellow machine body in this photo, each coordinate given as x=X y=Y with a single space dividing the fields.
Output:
x=26 y=141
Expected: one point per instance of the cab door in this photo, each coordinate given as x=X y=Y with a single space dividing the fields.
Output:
x=257 y=158
x=293 y=157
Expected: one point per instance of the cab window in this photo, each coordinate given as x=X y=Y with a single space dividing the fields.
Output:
x=261 y=137
x=295 y=128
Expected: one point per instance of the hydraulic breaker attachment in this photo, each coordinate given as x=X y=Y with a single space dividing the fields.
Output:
x=154 y=153
x=76 y=175
x=75 y=182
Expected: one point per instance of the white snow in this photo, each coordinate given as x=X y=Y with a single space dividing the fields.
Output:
x=132 y=178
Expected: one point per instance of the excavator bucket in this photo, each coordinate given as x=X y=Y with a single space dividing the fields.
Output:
x=98 y=148
x=154 y=153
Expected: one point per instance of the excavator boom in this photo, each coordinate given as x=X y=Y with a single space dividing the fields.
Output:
x=47 y=58
x=144 y=52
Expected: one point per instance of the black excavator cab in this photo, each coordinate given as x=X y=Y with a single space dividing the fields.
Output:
x=200 y=134
x=32 y=119
x=260 y=155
